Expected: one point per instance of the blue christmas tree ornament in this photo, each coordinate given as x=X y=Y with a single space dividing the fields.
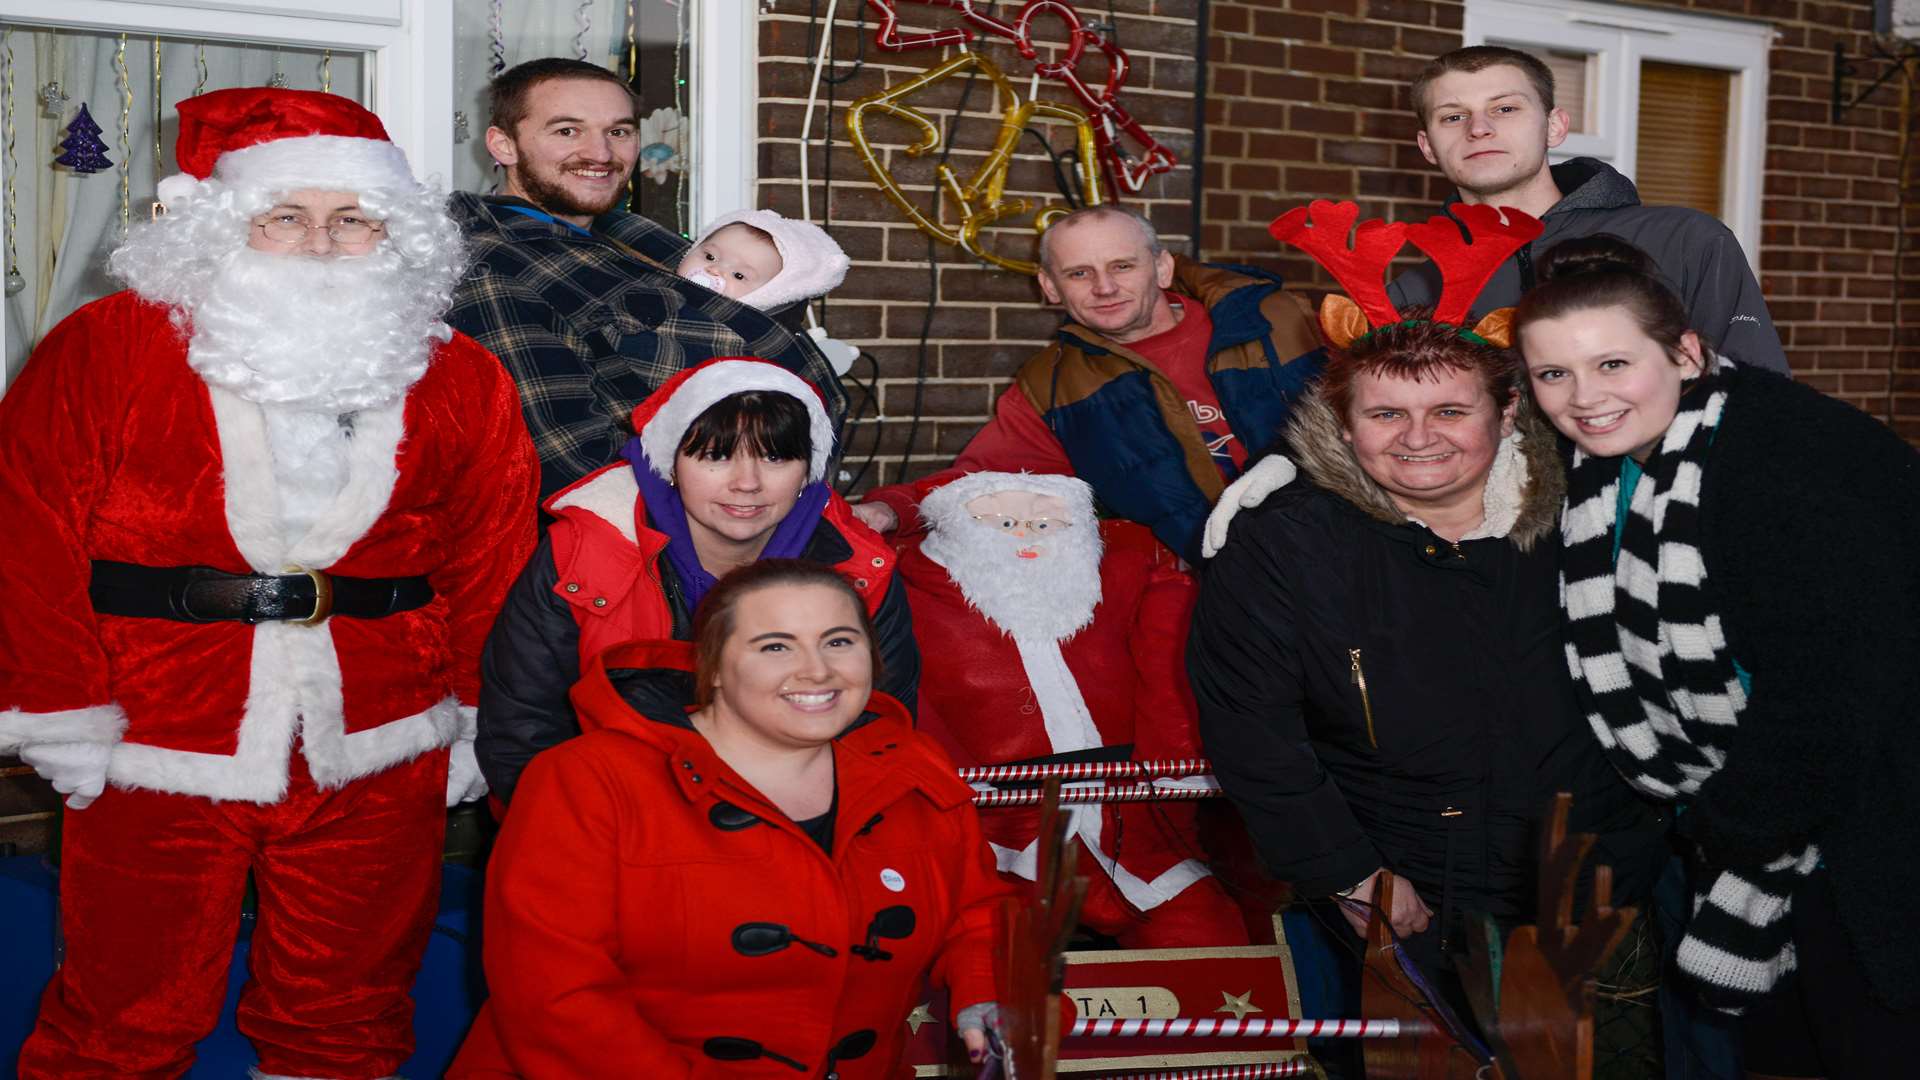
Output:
x=83 y=152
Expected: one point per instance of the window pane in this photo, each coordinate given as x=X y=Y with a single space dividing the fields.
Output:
x=1683 y=135
x=1572 y=89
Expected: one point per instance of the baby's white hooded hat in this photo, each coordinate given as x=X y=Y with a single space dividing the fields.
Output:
x=811 y=263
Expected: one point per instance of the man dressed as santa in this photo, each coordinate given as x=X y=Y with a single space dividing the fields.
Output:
x=1048 y=636
x=261 y=510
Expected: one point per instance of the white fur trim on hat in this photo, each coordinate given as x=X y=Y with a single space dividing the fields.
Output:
x=171 y=190
x=316 y=163
x=952 y=498
x=660 y=438
x=811 y=264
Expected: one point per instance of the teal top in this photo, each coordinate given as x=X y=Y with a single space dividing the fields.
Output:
x=1630 y=473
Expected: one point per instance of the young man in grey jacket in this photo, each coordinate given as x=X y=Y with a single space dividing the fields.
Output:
x=1487 y=119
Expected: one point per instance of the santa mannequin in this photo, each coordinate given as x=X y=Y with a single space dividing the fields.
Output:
x=261 y=509
x=1047 y=635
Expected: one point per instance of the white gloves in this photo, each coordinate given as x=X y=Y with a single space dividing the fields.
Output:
x=464 y=782
x=77 y=770
x=1262 y=478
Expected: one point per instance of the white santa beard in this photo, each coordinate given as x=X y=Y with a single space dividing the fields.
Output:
x=329 y=335
x=310 y=467
x=1048 y=598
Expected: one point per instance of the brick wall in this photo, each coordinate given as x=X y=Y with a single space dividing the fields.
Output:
x=1308 y=99
x=983 y=322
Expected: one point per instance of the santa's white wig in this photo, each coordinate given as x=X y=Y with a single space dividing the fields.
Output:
x=173 y=259
x=1048 y=599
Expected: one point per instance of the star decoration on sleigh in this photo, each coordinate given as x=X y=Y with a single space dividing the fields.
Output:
x=1238 y=1004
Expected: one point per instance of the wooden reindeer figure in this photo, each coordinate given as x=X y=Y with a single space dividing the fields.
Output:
x=1031 y=1004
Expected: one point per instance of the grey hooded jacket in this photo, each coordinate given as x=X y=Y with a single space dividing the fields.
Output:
x=1698 y=256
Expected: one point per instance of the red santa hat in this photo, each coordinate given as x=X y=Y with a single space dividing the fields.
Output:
x=663 y=419
x=263 y=138
x=811 y=264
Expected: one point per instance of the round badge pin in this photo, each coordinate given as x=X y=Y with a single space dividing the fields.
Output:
x=892 y=880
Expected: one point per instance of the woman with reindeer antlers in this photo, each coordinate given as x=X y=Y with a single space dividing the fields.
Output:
x=1376 y=652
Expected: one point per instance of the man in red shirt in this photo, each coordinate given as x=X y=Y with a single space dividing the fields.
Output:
x=1165 y=377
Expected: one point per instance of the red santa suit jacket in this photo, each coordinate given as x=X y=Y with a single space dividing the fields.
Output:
x=635 y=859
x=116 y=449
x=976 y=699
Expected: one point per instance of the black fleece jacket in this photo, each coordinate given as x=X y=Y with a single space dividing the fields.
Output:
x=1812 y=550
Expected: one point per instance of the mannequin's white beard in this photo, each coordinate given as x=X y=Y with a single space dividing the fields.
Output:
x=1048 y=598
x=332 y=335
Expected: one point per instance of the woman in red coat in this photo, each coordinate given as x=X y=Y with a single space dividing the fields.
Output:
x=755 y=889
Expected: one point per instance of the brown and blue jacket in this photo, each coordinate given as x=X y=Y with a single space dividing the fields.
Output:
x=1127 y=429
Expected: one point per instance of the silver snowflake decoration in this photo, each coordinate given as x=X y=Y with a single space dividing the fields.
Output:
x=279 y=80
x=460 y=123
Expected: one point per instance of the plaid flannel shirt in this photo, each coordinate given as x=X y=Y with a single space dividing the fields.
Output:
x=587 y=330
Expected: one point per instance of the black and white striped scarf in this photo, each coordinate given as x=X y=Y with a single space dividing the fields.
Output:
x=1650 y=656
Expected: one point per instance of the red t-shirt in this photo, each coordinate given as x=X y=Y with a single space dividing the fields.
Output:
x=1181 y=355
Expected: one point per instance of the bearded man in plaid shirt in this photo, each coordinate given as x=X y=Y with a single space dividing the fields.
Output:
x=581 y=304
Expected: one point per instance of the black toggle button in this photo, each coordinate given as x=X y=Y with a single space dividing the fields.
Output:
x=856 y=1045
x=889 y=922
x=762 y=938
x=729 y=818
x=734 y=1048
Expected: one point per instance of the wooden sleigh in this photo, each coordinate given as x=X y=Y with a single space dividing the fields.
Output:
x=1532 y=993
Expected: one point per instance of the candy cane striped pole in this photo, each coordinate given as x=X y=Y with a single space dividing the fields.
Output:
x=1091 y=770
x=1135 y=793
x=1257 y=1071
x=1187 y=1027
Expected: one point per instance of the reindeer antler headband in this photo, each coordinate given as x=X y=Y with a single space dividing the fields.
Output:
x=1321 y=230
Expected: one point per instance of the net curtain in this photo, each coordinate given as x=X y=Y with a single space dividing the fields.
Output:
x=67 y=223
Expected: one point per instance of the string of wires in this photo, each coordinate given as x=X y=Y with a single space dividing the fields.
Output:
x=863 y=380
x=863 y=398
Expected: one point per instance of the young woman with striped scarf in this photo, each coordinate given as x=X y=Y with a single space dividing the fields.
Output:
x=1741 y=581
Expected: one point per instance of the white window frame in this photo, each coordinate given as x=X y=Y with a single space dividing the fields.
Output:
x=1619 y=38
x=408 y=45
x=726 y=83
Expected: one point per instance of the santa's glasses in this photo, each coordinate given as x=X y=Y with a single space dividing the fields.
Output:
x=293 y=229
x=1010 y=524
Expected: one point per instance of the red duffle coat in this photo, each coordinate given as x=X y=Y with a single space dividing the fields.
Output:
x=116 y=449
x=975 y=699
x=634 y=855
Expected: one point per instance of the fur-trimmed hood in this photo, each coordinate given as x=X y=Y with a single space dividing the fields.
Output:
x=1315 y=436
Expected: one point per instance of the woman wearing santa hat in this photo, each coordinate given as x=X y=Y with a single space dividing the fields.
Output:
x=760 y=887
x=728 y=467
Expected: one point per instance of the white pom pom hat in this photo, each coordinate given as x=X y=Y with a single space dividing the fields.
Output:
x=663 y=419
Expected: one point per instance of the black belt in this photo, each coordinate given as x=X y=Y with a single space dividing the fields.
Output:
x=203 y=594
